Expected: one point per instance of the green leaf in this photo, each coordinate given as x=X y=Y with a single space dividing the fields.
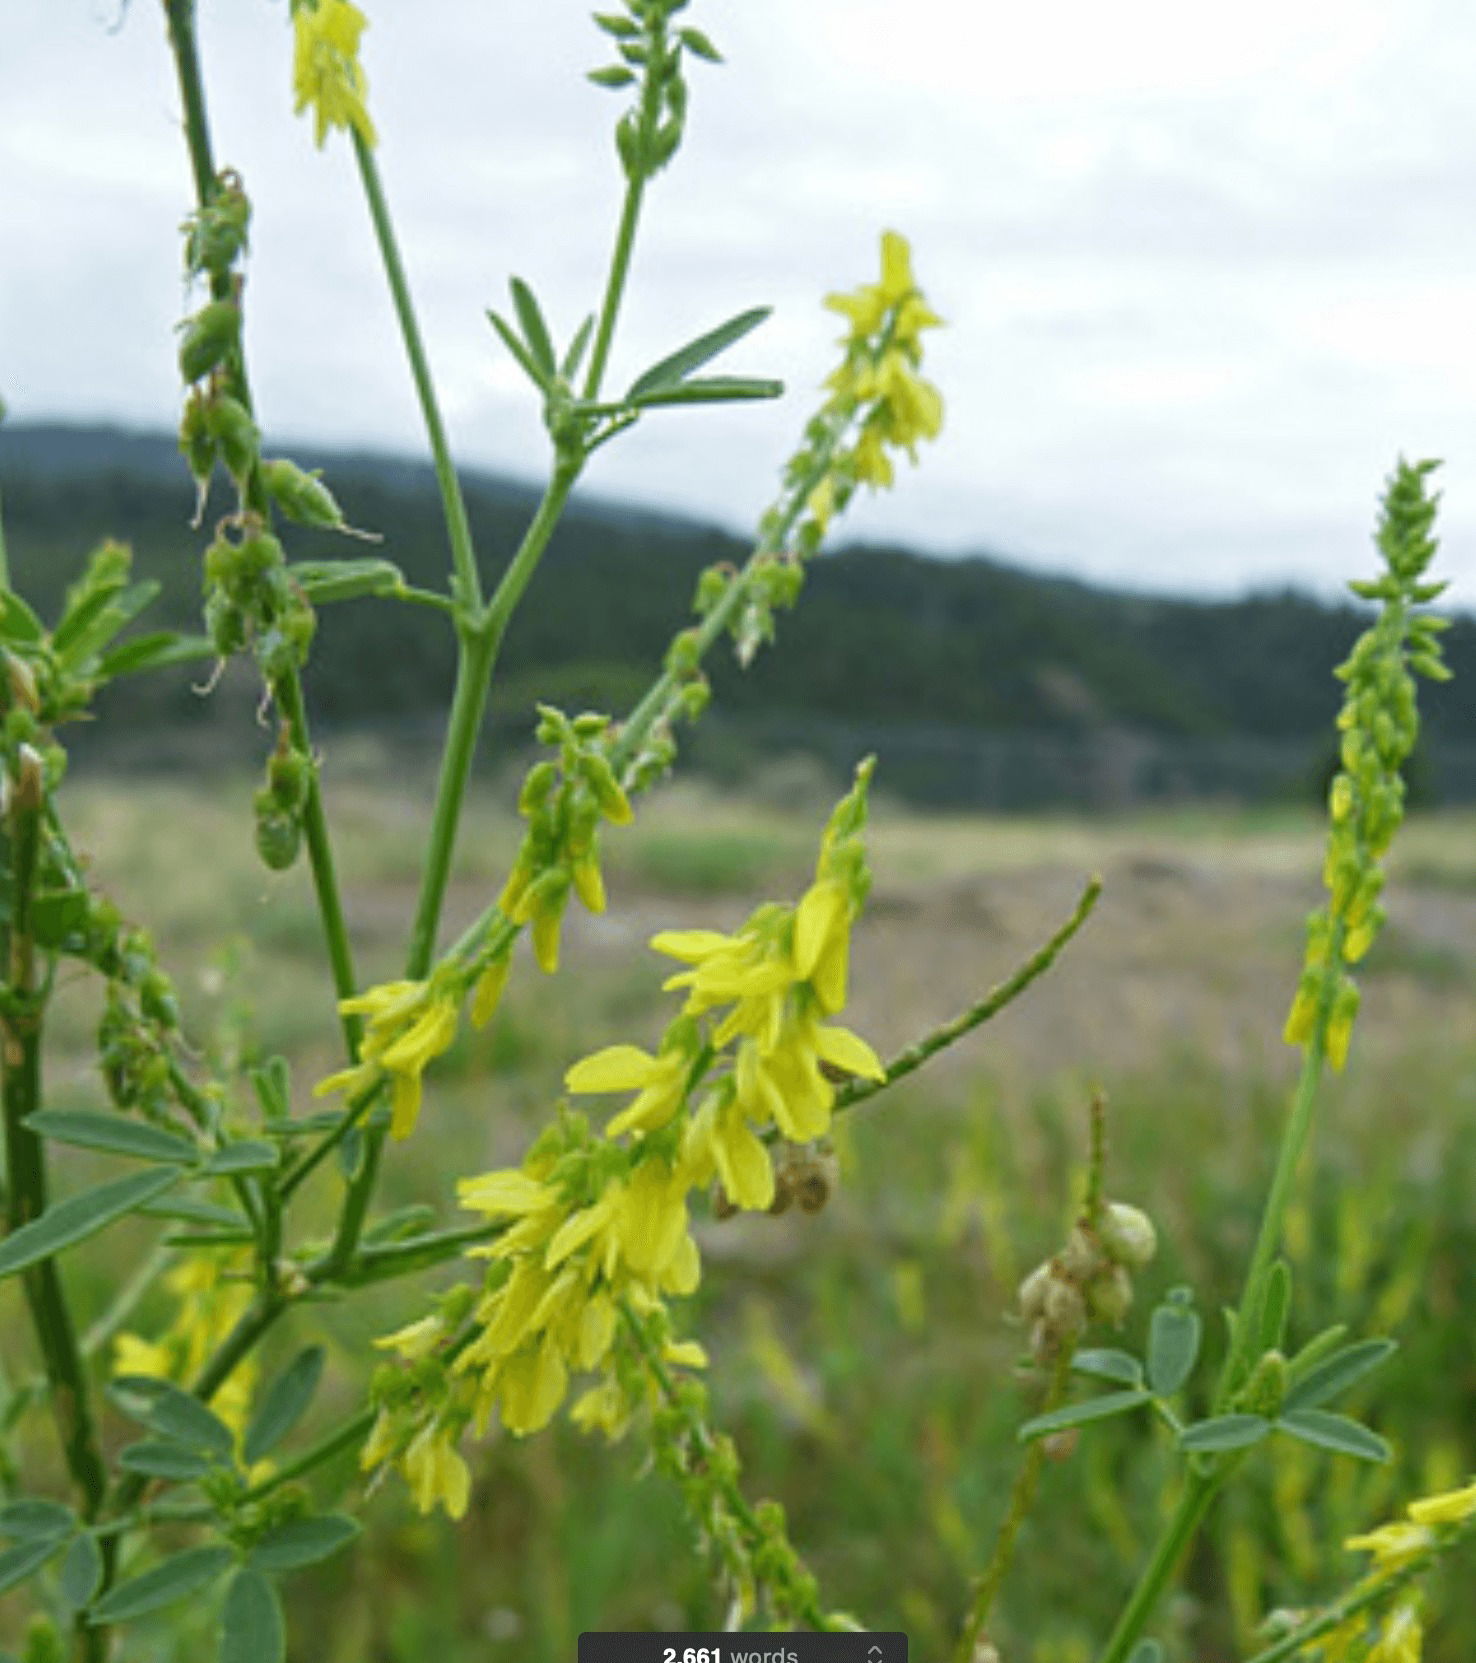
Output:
x=1109 y=1365
x=714 y=389
x=1147 y=1651
x=25 y=1559
x=1319 y=1346
x=34 y=1519
x=153 y=652
x=1275 y=1305
x=1080 y=1414
x=247 y=1155
x=188 y=1210
x=17 y=621
x=181 y=1575
x=1335 y=1432
x=283 y=1404
x=173 y=1413
x=678 y=365
x=303 y=1542
x=82 y=1571
x=252 y=1629
x=242 y=1236
x=569 y=368
x=1335 y=1374
x=1224 y=1432
x=95 y=623
x=346 y=580
x=1174 y=1333
x=535 y=330
x=79 y=1217
x=165 y=1460
x=518 y=350
x=114 y=1134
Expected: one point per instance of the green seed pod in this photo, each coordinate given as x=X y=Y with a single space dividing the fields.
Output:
x=1127 y=1235
x=302 y=496
x=157 y=999
x=236 y=433
x=209 y=338
x=289 y=775
x=225 y=624
x=537 y=787
x=257 y=554
x=278 y=835
x=196 y=443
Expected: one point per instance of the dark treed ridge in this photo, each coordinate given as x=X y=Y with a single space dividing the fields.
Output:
x=979 y=683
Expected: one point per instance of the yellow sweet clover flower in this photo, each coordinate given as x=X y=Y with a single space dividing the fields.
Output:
x=437 y=1474
x=1451 y=1507
x=326 y=72
x=213 y=1290
x=410 y=1025
x=1393 y=1545
x=1401 y=1638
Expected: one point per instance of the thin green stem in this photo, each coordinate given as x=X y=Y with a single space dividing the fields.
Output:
x=630 y=214
x=1022 y=1499
x=4 y=556
x=453 y=506
x=1200 y=1490
x=1273 y=1218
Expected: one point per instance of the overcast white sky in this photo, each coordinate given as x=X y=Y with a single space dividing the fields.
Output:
x=1207 y=268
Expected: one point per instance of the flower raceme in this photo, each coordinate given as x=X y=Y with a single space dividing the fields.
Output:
x=326 y=73
x=410 y=1024
x=595 y=1232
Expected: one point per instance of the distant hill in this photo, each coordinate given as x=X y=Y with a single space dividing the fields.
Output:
x=977 y=681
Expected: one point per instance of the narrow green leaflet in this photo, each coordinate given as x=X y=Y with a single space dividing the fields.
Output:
x=1109 y=1365
x=678 y=365
x=535 y=330
x=82 y=1571
x=1080 y=1414
x=25 y=1559
x=1335 y=1432
x=1173 y=1344
x=303 y=1542
x=1335 y=1374
x=712 y=389
x=181 y=1575
x=1147 y=1651
x=346 y=580
x=156 y=1459
x=152 y=652
x=1275 y=1305
x=36 y=1520
x=188 y=1209
x=172 y=1413
x=17 y=621
x=114 y=1134
x=79 y=1217
x=1224 y=1432
x=252 y=1629
x=283 y=1404
x=249 y=1155
x=89 y=627
x=518 y=350
x=569 y=368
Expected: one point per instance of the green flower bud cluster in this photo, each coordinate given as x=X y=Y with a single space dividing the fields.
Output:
x=1379 y=723
x=280 y=803
x=648 y=135
x=564 y=802
x=1089 y=1280
x=139 y=1030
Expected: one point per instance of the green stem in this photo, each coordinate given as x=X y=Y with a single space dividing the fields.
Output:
x=1199 y=1491
x=630 y=214
x=458 y=527
x=4 y=556
x=1022 y=1499
x=1273 y=1218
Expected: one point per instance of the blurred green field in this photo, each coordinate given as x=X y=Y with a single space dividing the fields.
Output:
x=865 y=1358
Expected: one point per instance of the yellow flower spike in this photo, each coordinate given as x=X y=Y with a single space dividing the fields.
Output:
x=1453 y=1507
x=436 y=1472
x=896 y=260
x=326 y=73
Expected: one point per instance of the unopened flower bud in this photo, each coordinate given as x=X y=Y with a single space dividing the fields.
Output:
x=20 y=683
x=209 y=337
x=1110 y=1296
x=237 y=435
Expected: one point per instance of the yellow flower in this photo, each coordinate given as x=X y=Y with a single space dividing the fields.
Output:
x=719 y=1140
x=1392 y=1545
x=1453 y=1507
x=410 y=1025
x=659 y=1082
x=868 y=307
x=1402 y=1638
x=436 y=1472
x=326 y=72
